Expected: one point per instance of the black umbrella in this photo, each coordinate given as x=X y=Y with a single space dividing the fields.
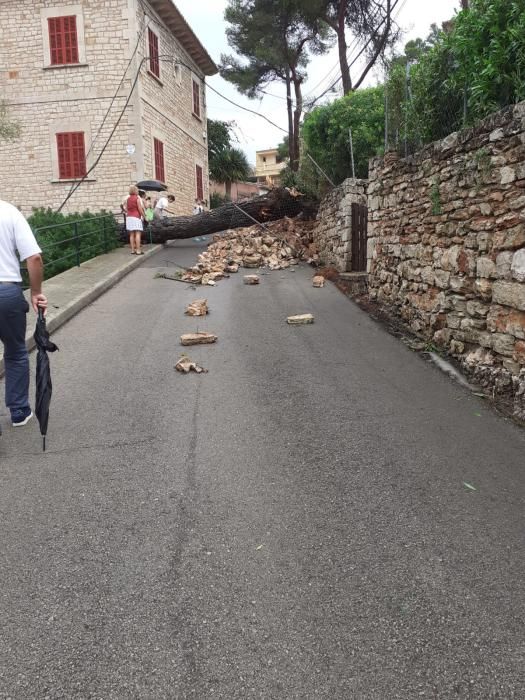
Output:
x=44 y=387
x=152 y=186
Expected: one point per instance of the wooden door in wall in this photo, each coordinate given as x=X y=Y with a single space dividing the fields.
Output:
x=359 y=236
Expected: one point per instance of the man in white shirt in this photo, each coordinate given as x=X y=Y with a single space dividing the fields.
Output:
x=162 y=206
x=17 y=242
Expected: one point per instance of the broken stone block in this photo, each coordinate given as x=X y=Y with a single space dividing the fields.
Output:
x=185 y=365
x=300 y=319
x=251 y=279
x=252 y=260
x=318 y=281
x=201 y=338
x=199 y=307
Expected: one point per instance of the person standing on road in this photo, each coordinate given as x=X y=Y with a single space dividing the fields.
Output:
x=16 y=237
x=134 y=216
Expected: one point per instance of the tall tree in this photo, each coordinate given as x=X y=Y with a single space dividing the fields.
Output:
x=219 y=137
x=229 y=165
x=274 y=38
x=368 y=21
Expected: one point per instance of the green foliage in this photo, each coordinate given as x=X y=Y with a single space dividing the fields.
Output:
x=218 y=200
x=66 y=239
x=283 y=149
x=273 y=37
x=307 y=179
x=488 y=43
x=226 y=163
x=219 y=136
x=229 y=165
x=459 y=76
x=326 y=133
x=273 y=41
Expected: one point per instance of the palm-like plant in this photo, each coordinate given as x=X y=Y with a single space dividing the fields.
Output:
x=228 y=165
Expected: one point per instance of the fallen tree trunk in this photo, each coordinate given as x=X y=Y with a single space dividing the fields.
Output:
x=275 y=205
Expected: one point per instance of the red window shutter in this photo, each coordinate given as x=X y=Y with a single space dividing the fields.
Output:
x=158 y=149
x=63 y=40
x=71 y=155
x=153 y=44
x=196 y=99
x=200 y=186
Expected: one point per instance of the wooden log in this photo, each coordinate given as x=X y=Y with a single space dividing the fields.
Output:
x=277 y=204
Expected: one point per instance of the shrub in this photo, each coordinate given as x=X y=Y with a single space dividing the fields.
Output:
x=69 y=239
x=217 y=200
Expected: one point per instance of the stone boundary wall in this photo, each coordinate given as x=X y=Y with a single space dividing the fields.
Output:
x=446 y=246
x=332 y=234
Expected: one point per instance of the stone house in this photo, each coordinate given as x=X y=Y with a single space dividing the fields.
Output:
x=109 y=92
x=268 y=167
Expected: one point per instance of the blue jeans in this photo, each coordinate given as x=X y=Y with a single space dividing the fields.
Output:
x=13 y=321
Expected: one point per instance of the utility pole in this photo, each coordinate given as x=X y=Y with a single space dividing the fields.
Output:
x=352 y=151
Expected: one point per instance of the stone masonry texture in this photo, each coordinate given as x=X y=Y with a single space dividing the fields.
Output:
x=332 y=233
x=45 y=100
x=447 y=247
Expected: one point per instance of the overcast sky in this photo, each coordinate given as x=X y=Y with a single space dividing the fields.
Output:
x=206 y=19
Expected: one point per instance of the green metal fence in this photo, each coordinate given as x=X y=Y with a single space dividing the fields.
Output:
x=69 y=244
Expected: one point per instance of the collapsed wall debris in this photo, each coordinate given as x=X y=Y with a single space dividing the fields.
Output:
x=278 y=246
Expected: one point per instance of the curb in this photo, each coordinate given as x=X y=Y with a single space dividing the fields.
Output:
x=89 y=296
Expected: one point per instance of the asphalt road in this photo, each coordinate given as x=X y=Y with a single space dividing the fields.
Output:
x=293 y=524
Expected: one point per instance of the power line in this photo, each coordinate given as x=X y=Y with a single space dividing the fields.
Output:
x=106 y=115
x=246 y=109
x=75 y=187
x=330 y=87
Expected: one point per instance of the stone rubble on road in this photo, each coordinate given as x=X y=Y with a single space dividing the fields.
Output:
x=281 y=244
x=186 y=365
x=199 y=307
x=199 y=338
x=300 y=319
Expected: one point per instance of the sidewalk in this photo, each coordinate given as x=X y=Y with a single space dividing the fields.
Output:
x=71 y=291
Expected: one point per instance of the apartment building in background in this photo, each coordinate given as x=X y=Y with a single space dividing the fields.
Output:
x=268 y=168
x=114 y=84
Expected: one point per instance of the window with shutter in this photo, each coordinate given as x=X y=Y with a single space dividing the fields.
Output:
x=63 y=40
x=158 y=150
x=200 y=185
x=196 y=98
x=71 y=155
x=154 y=63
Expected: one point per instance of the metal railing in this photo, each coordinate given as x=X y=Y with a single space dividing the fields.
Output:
x=68 y=244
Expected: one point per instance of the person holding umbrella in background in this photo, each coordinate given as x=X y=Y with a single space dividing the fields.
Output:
x=16 y=237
